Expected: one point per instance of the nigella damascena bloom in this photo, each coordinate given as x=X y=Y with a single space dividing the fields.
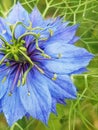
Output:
x=37 y=57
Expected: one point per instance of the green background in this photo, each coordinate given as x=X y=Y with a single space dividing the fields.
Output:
x=82 y=113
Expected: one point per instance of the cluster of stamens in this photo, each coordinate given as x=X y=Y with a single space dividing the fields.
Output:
x=16 y=53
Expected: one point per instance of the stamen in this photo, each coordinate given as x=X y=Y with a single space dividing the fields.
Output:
x=42 y=52
x=59 y=55
x=43 y=39
x=36 y=42
x=51 y=32
x=10 y=94
x=27 y=85
x=22 y=41
x=28 y=93
x=25 y=75
x=54 y=77
x=4 y=79
x=39 y=69
x=45 y=55
x=19 y=83
x=8 y=64
x=19 y=79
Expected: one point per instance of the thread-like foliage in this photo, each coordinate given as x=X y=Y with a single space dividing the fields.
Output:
x=80 y=114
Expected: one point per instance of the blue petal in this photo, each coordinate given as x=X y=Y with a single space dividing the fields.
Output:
x=72 y=58
x=49 y=24
x=65 y=83
x=5 y=30
x=81 y=70
x=65 y=34
x=36 y=18
x=38 y=104
x=53 y=108
x=38 y=21
x=18 y=14
x=61 y=88
x=57 y=25
x=74 y=39
x=54 y=102
x=0 y=107
x=3 y=86
x=11 y=105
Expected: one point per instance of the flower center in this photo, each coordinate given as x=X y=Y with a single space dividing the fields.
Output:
x=14 y=51
x=17 y=52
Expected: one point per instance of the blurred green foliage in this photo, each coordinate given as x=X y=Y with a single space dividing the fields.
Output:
x=82 y=113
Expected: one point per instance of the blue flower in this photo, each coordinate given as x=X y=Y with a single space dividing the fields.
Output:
x=37 y=57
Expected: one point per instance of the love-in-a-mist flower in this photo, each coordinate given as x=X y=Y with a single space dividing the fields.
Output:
x=37 y=57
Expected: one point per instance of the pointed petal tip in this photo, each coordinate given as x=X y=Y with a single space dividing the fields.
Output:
x=91 y=56
x=18 y=4
x=36 y=11
x=73 y=96
x=45 y=121
x=77 y=38
x=35 y=8
x=76 y=26
x=55 y=112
